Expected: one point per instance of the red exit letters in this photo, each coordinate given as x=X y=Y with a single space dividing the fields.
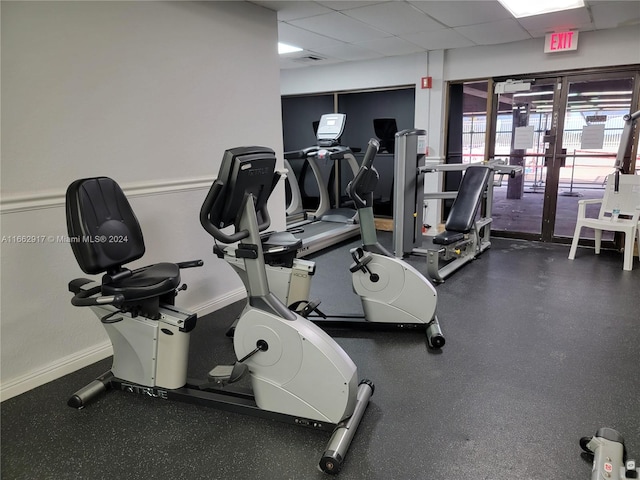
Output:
x=561 y=41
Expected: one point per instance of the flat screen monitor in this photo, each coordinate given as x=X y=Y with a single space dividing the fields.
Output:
x=330 y=127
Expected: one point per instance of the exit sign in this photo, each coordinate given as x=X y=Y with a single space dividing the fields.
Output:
x=560 y=42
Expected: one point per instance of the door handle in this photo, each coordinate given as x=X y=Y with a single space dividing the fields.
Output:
x=550 y=155
x=563 y=157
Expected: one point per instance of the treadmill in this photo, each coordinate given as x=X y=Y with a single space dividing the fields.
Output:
x=328 y=224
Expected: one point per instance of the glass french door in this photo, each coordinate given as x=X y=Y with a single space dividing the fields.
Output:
x=591 y=132
x=565 y=133
x=524 y=123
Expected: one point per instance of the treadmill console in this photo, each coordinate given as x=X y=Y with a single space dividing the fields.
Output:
x=330 y=129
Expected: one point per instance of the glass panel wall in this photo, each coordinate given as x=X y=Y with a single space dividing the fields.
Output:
x=571 y=127
x=593 y=125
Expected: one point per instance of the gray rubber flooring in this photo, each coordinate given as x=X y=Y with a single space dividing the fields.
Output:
x=540 y=351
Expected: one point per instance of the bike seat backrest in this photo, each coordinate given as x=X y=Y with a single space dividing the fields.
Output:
x=104 y=233
x=465 y=207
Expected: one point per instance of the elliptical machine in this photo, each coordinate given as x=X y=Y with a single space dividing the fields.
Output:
x=392 y=292
x=298 y=374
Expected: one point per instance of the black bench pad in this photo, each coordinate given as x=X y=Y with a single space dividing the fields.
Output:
x=465 y=206
x=447 y=238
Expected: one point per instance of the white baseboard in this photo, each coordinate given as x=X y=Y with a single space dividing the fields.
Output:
x=220 y=302
x=94 y=354
x=58 y=369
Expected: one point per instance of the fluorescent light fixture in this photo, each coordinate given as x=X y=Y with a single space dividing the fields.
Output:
x=532 y=94
x=284 y=48
x=520 y=8
x=591 y=94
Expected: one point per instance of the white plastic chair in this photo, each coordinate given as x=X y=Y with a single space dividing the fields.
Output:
x=627 y=201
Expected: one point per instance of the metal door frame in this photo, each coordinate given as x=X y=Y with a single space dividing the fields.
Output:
x=554 y=157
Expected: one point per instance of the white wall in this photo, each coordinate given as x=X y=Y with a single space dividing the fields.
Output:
x=386 y=72
x=353 y=75
x=596 y=49
x=149 y=93
x=602 y=48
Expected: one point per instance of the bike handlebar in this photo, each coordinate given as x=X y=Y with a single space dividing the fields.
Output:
x=85 y=298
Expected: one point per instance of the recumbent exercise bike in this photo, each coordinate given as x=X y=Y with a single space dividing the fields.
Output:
x=298 y=374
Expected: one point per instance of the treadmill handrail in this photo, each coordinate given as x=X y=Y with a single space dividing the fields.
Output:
x=301 y=154
x=336 y=152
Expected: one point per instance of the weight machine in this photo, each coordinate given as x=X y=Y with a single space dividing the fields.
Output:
x=465 y=235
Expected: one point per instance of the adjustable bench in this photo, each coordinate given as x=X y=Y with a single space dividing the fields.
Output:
x=459 y=243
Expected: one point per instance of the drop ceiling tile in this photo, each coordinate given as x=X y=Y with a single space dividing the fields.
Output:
x=461 y=13
x=402 y=27
x=439 y=40
x=339 y=26
x=394 y=17
x=502 y=31
x=303 y=38
x=348 y=52
x=616 y=14
x=288 y=10
x=572 y=19
x=391 y=46
x=347 y=5
x=302 y=62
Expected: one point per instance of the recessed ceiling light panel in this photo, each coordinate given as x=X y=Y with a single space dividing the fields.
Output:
x=520 y=8
x=284 y=48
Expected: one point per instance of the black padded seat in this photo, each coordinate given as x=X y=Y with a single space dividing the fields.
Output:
x=465 y=207
x=447 y=238
x=281 y=248
x=152 y=281
x=105 y=236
